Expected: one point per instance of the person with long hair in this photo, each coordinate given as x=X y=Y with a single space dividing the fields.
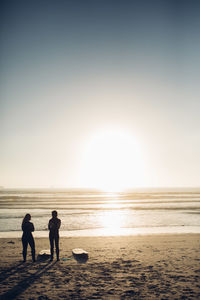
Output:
x=54 y=225
x=27 y=237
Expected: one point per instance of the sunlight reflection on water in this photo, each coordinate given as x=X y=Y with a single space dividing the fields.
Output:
x=112 y=221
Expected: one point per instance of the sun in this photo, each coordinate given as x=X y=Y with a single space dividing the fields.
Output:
x=112 y=160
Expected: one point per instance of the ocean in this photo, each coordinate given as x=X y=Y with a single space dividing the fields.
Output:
x=98 y=213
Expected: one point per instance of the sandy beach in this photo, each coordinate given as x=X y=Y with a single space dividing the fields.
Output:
x=134 y=267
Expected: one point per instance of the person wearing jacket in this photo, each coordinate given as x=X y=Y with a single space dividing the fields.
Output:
x=54 y=225
x=27 y=237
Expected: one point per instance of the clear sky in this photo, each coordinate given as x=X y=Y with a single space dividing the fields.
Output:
x=100 y=93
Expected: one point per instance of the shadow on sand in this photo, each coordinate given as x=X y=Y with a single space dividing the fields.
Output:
x=11 y=271
x=81 y=258
x=25 y=283
x=43 y=258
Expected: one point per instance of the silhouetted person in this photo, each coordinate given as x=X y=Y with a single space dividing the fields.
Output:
x=27 y=237
x=54 y=225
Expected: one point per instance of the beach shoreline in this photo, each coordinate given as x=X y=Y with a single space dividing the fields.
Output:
x=120 y=267
x=114 y=232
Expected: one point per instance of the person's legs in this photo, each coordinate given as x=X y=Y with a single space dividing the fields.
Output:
x=25 y=245
x=57 y=246
x=51 y=239
x=32 y=245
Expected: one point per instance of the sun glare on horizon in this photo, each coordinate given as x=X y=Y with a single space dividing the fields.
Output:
x=112 y=161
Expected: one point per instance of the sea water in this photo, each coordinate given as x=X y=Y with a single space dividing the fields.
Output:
x=98 y=213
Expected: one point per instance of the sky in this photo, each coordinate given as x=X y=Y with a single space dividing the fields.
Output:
x=98 y=93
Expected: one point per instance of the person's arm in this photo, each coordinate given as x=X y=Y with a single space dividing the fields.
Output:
x=59 y=223
x=32 y=227
x=49 y=225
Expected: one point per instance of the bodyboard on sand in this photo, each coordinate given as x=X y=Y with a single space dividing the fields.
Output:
x=80 y=255
x=44 y=254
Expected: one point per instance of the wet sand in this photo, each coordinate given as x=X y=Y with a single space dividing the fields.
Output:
x=133 y=267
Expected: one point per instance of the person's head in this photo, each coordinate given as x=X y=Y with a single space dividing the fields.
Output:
x=27 y=218
x=54 y=213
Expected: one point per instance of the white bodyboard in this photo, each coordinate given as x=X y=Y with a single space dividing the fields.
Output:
x=79 y=252
x=45 y=252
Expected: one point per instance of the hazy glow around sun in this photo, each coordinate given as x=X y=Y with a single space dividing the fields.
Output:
x=112 y=160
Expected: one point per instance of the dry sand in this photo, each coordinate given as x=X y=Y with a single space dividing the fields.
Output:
x=142 y=267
